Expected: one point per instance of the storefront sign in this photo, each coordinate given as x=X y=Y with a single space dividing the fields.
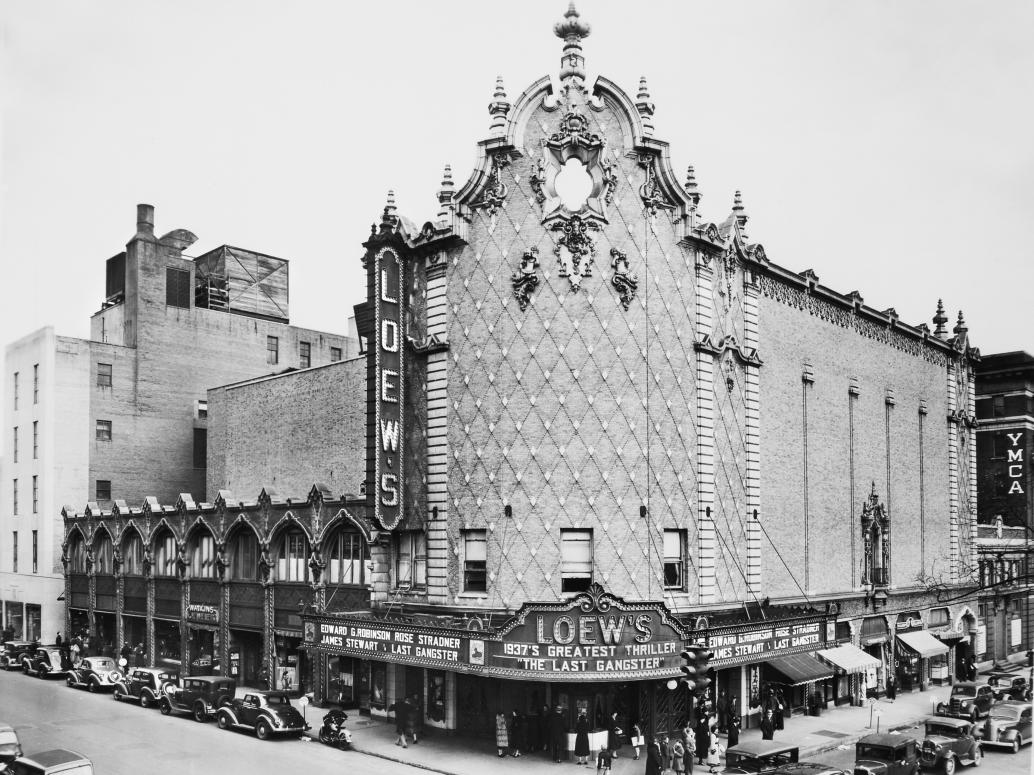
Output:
x=390 y=397
x=756 y=644
x=1015 y=461
x=201 y=612
x=908 y=622
x=375 y=639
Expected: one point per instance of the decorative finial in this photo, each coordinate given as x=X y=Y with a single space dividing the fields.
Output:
x=939 y=320
x=691 y=185
x=960 y=327
x=645 y=106
x=498 y=109
x=445 y=193
x=389 y=218
x=571 y=29
x=741 y=214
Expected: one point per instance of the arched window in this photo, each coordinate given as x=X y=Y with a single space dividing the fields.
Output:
x=76 y=553
x=292 y=556
x=244 y=554
x=133 y=555
x=102 y=552
x=346 y=553
x=165 y=554
x=202 y=556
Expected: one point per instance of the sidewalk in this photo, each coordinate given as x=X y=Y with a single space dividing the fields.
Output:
x=451 y=755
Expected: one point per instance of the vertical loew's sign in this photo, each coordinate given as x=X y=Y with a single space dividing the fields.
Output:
x=390 y=349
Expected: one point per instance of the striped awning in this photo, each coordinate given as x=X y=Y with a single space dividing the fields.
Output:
x=800 y=669
x=922 y=643
x=849 y=658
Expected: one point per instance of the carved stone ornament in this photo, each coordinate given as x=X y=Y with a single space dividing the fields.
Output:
x=574 y=130
x=652 y=194
x=496 y=191
x=526 y=279
x=876 y=537
x=623 y=280
x=574 y=140
x=537 y=179
x=575 y=250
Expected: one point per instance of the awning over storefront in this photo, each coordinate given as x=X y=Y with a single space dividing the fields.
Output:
x=922 y=643
x=800 y=669
x=848 y=658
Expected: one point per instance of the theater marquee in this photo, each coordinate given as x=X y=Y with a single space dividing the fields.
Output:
x=390 y=399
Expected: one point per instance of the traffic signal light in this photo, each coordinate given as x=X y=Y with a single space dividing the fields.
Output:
x=696 y=670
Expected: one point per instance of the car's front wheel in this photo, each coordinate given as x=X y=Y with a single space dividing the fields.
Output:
x=263 y=730
x=978 y=756
x=42 y=672
x=200 y=712
x=165 y=707
x=92 y=687
x=223 y=721
x=70 y=681
x=117 y=695
x=949 y=766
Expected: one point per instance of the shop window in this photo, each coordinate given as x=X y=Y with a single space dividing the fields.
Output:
x=76 y=554
x=272 y=350
x=674 y=559
x=244 y=554
x=347 y=558
x=202 y=557
x=102 y=552
x=475 y=561
x=103 y=375
x=165 y=555
x=133 y=555
x=411 y=559
x=33 y=622
x=292 y=559
x=575 y=560
x=304 y=355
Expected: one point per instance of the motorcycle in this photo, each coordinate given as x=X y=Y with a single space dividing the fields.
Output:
x=333 y=731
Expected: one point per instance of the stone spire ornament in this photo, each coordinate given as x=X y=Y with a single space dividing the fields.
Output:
x=571 y=29
x=498 y=109
x=741 y=214
x=691 y=185
x=389 y=220
x=960 y=328
x=445 y=194
x=939 y=320
x=645 y=106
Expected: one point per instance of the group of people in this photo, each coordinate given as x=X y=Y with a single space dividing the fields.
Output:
x=406 y=713
x=515 y=732
x=700 y=744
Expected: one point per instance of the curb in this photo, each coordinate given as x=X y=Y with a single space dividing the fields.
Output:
x=854 y=738
x=397 y=760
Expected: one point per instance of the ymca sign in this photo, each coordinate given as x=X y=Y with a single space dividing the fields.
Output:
x=1015 y=462
x=390 y=354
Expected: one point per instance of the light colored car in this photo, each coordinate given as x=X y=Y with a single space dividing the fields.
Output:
x=55 y=762
x=95 y=674
x=10 y=747
x=147 y=685
x=1008 y=726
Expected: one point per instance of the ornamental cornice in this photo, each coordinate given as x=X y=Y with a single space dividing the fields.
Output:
x=746 y=355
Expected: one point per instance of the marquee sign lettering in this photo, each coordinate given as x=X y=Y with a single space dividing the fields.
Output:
x=756 y=644
x=390 y=352
x=1015 y=461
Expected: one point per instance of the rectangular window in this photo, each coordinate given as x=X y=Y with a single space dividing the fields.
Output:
x=35 y=551
x=14 y=551
x=14 y=498
x=475 y=561
x=14 y=446
x=202 y=409
x=304 y=355
x=15 y=390
x=200 y=448
x=998 y=406
x=177 y=287
x=103 y=490
x=35 y=384
x=103 y=375
x=103 y=430
x=575 y=560
x=335 y=354
x=411 y=559
x=35 y=495
x=674 y=562
x=35 y=440
x=272 y=350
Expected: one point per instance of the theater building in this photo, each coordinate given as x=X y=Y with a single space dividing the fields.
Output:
x=599 y=426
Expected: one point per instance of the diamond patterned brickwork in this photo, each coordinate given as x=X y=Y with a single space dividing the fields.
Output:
x=575 y=411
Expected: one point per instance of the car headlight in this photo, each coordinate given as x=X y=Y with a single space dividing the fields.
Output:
x=965 y=703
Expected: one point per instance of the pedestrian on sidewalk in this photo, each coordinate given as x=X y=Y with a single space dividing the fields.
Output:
x=637 y=740
x=666 y=753
x=557 y=732
x=777 y=713
x=581 y=739
x=544 y=728
x=517 y=733
x=892 y=688
x=412 y=715
x=614 y=733
x=689 y=748
x=714 y=752
x=767 y=726
x=678 y=754
x=604 y=760
x=400 y=709
x=734 y=731
x=703 y=737
x=723 y=710
x=502 y=736
x=653 y=757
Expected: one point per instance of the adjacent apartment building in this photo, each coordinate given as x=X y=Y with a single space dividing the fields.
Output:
x=125 y=411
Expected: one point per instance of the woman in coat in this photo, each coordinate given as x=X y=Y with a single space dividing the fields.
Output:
x=703 y=739
x=581 y=739
x=613 y=734
x=653 y=757
x=734 y=730
x=502 y=737
x=714 y=752
x=678 y=752
x=517 y=733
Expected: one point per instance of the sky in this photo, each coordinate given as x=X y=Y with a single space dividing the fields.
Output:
x=885 y=144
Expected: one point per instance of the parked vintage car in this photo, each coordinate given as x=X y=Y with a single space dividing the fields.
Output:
x=146 y=685
x=12 y=651
x=55 y=762
x=968 y=700
x=809 y=768
x=45 y=662
x=949 y=742
x=759 y=756
x=199 y=695
x=10 y=747
x=1009 y=686
x=886 y=755
x=1008 y=726
x=268 y=713
x=94 y=674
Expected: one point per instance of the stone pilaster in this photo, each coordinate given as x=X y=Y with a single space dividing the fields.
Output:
x=752 y=436
x=705 y=550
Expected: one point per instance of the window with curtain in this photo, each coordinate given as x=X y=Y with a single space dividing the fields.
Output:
x=292 y=559
x=165 y=555
x=475 y=561
x=102 y=555
x=411 y=559
x=133 y=555
x=346 y=560
x=575 y=560
x=77 y=554
x=674 y=559
x=244 y=554
x=202 y=556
